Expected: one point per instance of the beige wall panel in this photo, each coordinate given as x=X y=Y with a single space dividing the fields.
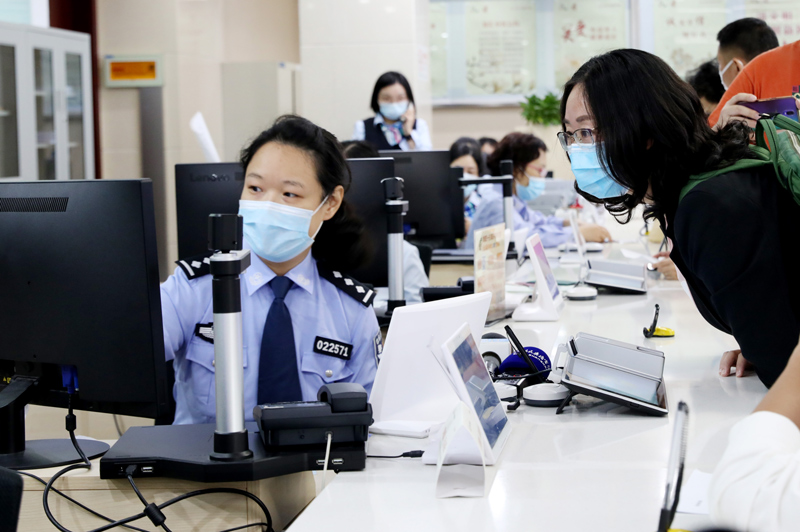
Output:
x=331 y=22
x=261 y=30
x=136 y=27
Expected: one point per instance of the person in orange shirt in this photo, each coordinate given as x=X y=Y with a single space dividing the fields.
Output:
x=772 y=74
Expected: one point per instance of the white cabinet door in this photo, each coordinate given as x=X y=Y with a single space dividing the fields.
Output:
x=15 y=107
x=78 y=119
x=46 y=120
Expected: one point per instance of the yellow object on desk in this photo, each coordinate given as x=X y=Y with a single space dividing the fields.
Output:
x=664 y=332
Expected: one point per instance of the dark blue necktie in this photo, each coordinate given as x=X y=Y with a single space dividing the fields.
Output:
x=278 y=380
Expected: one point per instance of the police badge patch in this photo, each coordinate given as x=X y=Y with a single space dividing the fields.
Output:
x=205 y=331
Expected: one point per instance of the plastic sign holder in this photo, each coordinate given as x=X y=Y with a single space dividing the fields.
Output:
x=549 y=301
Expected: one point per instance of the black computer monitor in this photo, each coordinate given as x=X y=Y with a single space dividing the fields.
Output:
x=200 y=190
x=367 y=198
x=79 y=288
x=435 y=198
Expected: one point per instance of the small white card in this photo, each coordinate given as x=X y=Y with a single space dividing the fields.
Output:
x=694 y=494
x=461 y=445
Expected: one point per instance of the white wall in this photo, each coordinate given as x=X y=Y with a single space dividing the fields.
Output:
x=346 y=44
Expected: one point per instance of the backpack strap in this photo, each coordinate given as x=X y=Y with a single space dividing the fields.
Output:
x=762 y=157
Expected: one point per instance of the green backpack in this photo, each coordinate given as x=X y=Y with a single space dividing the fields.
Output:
x=784 y=156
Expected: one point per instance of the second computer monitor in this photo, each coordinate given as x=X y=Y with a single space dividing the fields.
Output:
x=435 y=200
x=200 y=190
x=367 y=199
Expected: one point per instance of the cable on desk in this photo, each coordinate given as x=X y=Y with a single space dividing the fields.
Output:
x=409 y=454
x=245 y=526
x=329 y=435
x=86 y=464
x=152 y=511
x=78 y=504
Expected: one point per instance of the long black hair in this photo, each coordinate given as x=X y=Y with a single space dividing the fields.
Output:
x=469 y=146
x=387 y=79
x=653 y=130
x=341 y=243
x=521 y=148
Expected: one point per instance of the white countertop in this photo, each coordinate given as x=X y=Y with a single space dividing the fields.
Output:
x=597 y=466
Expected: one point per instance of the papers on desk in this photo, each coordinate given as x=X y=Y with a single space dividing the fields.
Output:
x=694 y=494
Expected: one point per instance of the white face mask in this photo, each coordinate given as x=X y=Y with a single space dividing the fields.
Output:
x=722 y=73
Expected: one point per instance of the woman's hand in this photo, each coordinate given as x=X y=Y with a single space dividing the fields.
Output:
x=733 y=358
x=666 y=267
x=595 y=233
x=408 y=119
x=733 y=111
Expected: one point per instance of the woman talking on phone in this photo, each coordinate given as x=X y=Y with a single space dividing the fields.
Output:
x=635 y=133
x=395 y=125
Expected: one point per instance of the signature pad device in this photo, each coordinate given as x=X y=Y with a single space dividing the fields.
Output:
x=341 y=410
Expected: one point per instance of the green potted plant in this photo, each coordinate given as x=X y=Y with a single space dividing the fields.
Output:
x=542 y=111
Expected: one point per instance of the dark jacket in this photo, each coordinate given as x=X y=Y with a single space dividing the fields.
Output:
x=736 y=241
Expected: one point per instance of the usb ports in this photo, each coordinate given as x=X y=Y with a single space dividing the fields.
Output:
x=334 y=461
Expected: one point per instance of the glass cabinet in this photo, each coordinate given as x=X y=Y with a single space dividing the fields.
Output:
x=45 y=104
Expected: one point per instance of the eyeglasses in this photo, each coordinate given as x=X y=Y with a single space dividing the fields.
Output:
x=579 y=136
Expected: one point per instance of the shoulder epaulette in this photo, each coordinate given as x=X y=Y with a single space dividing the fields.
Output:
x=362 y=293
x=196 y=266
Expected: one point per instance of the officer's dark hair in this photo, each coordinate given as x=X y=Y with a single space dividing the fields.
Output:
x=521 y=148
x=487 y=140
x=653 y=129
x=386 y=79
x=705 y=81
x=747 y=36
x=359 y=149
x=341 y=243
x=468 y=146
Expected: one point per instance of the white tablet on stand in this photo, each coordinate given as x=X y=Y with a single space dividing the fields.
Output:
x=549 y=302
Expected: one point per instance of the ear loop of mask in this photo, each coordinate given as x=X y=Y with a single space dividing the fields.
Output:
x=315 y=212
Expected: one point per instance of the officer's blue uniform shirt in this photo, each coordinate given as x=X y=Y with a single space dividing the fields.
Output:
x=318 y=309
x=490 y=212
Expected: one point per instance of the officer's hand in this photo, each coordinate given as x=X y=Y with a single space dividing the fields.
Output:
x=733 y=111
x=595 y=233
x=733 y=358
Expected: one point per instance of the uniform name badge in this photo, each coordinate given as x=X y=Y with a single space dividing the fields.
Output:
x=332 y=348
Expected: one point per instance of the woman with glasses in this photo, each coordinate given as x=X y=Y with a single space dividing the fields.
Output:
x=635 y=133
x=529 y=155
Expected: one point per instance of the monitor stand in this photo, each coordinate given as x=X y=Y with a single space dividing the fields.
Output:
x=15 y=452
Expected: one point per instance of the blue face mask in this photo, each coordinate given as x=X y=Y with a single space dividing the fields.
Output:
x=590 y=175
x=534 y=189
x=277 y=232
x=469 y=189
x=393 y=111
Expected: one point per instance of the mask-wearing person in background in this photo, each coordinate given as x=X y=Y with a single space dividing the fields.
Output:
x=395 y=125
x=529 y=157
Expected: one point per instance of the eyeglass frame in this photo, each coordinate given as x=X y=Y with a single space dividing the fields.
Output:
x=562 y=137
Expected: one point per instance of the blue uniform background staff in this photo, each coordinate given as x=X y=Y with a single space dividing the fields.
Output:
x=318 y=309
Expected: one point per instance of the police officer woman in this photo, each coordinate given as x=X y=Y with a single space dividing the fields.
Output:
x=305 y=324
x=395 y=125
